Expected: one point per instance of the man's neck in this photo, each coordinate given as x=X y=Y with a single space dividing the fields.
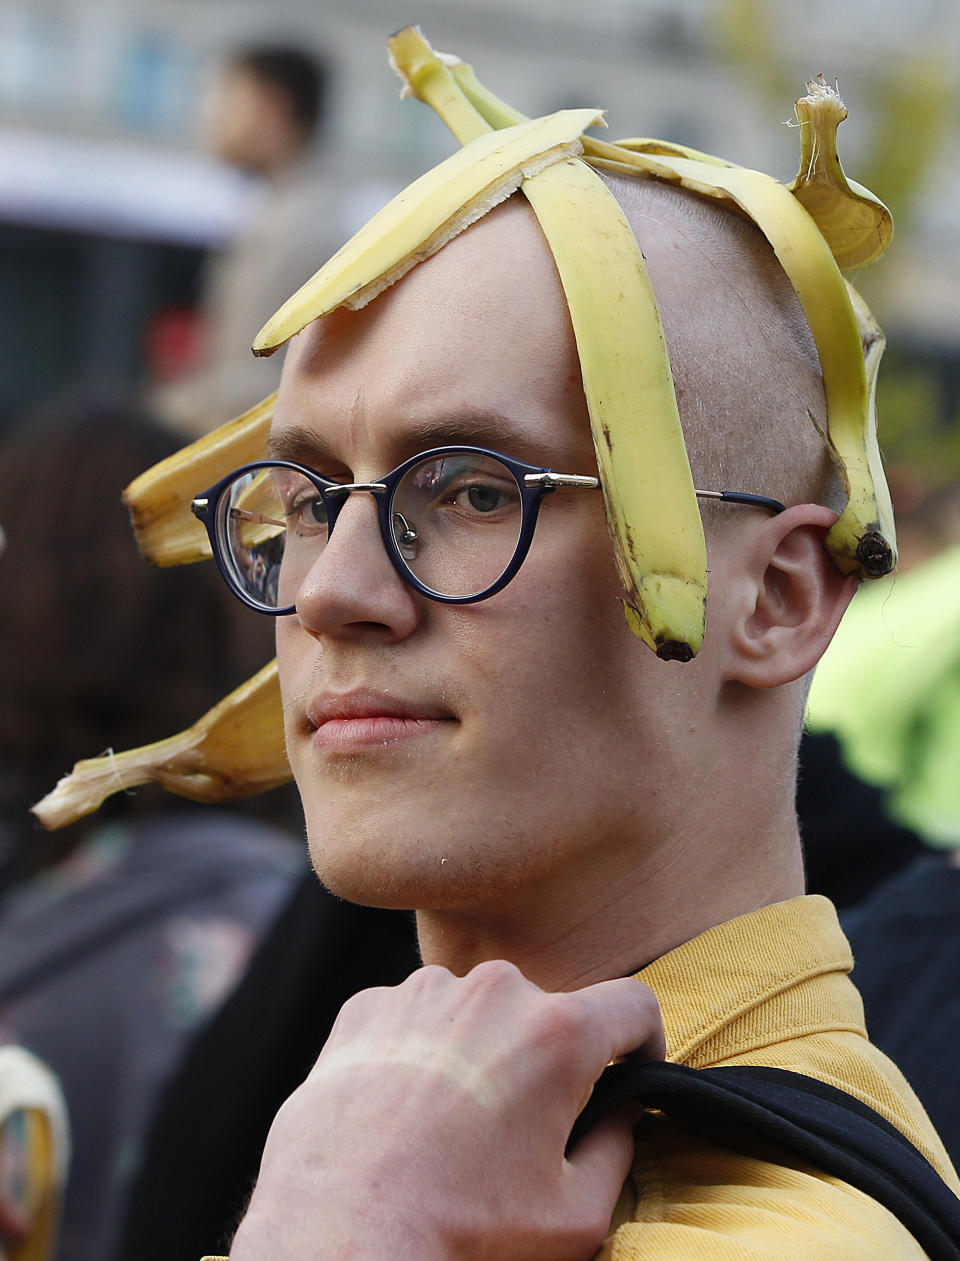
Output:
x=596 y=925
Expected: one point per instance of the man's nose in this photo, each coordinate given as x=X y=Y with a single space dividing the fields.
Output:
x=352 y=584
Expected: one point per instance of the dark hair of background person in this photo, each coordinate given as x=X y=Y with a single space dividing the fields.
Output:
x=303 y=79
x=98 y=649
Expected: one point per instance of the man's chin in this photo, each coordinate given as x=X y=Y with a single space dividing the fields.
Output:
x=426 y=883
x=360 y=889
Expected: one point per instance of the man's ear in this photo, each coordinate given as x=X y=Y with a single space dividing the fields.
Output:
x=790 y=598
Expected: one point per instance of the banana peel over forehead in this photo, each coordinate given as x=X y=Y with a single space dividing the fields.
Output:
x=820 y=224
x=426 y=215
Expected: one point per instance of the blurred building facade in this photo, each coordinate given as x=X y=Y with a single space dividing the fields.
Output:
x=107 y=205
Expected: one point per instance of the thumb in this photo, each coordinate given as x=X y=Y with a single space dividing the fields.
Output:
x=600 y=1163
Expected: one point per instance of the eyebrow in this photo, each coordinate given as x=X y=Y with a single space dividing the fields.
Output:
x=476 y=427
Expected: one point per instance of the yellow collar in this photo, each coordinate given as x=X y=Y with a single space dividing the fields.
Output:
x=773 y=974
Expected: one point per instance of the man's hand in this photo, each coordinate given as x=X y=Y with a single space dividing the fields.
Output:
x=433 y=1125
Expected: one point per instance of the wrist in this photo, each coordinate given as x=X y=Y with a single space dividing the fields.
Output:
x=356 y=1228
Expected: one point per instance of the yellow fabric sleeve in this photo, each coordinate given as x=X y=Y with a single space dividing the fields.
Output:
x=695 y=1199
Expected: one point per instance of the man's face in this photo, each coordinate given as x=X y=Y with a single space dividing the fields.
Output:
x=246 y=122
x=450 y=756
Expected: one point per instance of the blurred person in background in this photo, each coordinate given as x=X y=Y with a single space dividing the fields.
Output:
x=851 y=845
x=121 y=936
x=204 y=1149
x=167 y=959
x=906 y=943
x=888 y=693
x=264 y=118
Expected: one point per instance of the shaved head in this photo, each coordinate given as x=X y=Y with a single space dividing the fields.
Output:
x=746 y=369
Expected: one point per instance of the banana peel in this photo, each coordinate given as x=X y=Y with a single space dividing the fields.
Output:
x=425 y=216
x=652 y=514
x=235 y=750
x=864 y=535
x=158 y=501
x=856 y=225
x=817 y=224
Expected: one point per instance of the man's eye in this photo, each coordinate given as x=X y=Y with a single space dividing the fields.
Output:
x=485 y=498
x=309 y=511
x=482 y=497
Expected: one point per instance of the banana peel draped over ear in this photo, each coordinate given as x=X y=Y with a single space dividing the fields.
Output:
x=820 y=224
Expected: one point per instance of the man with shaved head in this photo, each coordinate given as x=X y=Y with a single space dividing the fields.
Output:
x=601 y=847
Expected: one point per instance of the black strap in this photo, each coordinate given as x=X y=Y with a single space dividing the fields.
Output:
x=823 y=1125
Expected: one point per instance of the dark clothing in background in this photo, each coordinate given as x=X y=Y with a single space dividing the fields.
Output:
x=208 y=1138
x=109 y=964
x=900 y=908
x=850 y=845
x=906 y=943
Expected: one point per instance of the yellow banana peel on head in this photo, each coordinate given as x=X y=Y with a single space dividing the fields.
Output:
x=819 y=223
x=651 y=508
x=864 y=535
x=815 y=225
x=856 y=225
x=425 y=216
x=158 y=501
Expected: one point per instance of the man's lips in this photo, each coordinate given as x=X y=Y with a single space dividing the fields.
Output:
x=368 y=718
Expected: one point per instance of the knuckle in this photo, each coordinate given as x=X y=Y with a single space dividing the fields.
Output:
x=497 y=974
x=592 y=1227
x=560 y=1024
x=429 y=976
x=378 y=1002
x=646 y=998
x=358 y=1006
x=497 y=970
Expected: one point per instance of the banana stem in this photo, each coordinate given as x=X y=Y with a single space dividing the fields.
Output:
x=819 y=114
x=496 y=112
x=430 y=80
x=628 y=158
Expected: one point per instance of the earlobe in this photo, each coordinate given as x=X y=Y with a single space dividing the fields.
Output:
x=793 y=597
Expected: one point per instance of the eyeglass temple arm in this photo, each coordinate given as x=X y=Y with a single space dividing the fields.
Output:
x=546 y=481
x=549 y=480
x=742 y=497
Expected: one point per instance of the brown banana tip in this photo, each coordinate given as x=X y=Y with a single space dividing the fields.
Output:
x=674 y=650
x=875 y=555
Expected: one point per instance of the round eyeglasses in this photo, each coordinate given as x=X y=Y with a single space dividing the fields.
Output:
x=457 y=522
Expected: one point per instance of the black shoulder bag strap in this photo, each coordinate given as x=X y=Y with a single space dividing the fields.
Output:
x=823 y=1125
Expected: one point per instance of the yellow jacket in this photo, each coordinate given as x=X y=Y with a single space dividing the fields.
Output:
x=767 y=988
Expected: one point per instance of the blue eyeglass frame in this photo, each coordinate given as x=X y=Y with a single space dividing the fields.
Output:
x=534 y=481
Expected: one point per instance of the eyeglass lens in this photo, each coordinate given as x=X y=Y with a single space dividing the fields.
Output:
x=456 y=521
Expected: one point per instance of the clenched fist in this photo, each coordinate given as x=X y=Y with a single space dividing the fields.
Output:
x=434 y=1123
